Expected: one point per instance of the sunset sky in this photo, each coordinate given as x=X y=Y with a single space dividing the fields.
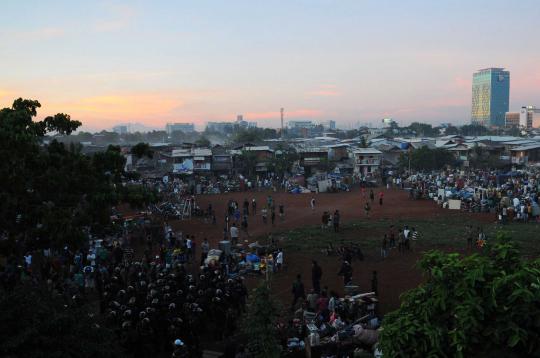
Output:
x=152 y=62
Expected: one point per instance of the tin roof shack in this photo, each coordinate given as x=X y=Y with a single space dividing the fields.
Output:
x=222 y=161
x=526 y=155
x=367 y=161
x=202 y=160
x=193 y=160
x=314 y=159
x=252 y=159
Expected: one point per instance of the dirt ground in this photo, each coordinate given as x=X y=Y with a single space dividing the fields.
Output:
x=396 y=274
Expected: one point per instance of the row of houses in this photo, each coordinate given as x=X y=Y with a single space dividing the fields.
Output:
x=322 y=154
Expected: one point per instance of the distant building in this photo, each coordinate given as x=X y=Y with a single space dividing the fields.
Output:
x=122 y=129
x=244 y=124
x=388 y=122
x=329 y=125
x=229 y=127
x=490 y=97
x=183 y=127
x=529 y=117
x=223 y=127
x=511 y=119
x=300 y=124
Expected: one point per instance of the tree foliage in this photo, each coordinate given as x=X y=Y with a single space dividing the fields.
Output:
x=260 y=323
x=482 y=305
x=282 y=163
x=37 y=324
x=427 y=159
x=51 y=190
x=141 y=149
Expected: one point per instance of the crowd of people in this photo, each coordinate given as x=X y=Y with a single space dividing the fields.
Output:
x=512 y=197
x=157 y=304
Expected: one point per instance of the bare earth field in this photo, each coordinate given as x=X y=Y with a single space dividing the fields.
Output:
x=303 y=240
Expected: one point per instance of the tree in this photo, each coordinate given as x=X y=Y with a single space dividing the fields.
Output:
x=202 y=142
x=425 y=158
x=249 y=161
x=260 y=323
x=141 y=149
x=363 y=142
x=423 y=129
x=37 y=324
x=482 y=305
x=52 y=191
x=282 y=163
x=250 y=135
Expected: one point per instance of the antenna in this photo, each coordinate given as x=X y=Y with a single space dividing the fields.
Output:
x=282 y=122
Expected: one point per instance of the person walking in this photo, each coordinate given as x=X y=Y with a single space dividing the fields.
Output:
x=254 y=206
x=281 y=212
x=324 y=220
x=312 y=203
x=371 y=196
x=381 y=196
x=316 y=275
x=264 y=214
x=367 y=208
x=336 y=220
x=392 y=237
x=297 y=291
x=273 y=217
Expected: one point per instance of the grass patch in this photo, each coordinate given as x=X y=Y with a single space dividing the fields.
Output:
x=435 y=233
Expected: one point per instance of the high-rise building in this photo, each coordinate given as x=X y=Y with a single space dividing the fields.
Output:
x=183 y=127
x=529 y=117
x=490 y=97
x=511 y=119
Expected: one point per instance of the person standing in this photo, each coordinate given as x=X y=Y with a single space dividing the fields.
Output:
x=367 y=208
x=346 y=272
x=234 y=234
x=371 y=196
x=297 y=291
x=273 y=216
x=384 y=247
x=281 y=212
x=254 y=206
x=312 y=203
x=264 y=214
x=375 y=283
x=381 y=196
x=336 y=220
x=205 y=248
x=316 y=275
x=279 y=260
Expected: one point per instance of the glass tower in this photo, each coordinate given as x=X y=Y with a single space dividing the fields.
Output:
x=490 y=96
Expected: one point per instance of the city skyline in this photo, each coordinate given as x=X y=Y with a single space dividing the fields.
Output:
x=352 y=61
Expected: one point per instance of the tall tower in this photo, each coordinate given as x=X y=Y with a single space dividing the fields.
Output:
x=490 y=96
x=281 y=122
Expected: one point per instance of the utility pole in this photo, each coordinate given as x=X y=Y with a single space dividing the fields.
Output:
x=281 y=122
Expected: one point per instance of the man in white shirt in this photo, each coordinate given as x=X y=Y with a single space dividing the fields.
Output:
x=234 y=234
x=279 y=260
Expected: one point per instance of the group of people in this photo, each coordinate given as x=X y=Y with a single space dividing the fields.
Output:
x=154 y=303
x=512 y=197
x=399 y=238
x=329 y=220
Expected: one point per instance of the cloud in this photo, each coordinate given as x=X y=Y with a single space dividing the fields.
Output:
x=297 y=113
x=120 y=17
x=105 y=110
x=43 y=33
x=325 y=91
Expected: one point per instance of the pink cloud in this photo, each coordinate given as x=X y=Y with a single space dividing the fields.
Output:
x=297 y=113
x=325 y=91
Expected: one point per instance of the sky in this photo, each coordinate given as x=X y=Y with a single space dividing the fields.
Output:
x=352 y=61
